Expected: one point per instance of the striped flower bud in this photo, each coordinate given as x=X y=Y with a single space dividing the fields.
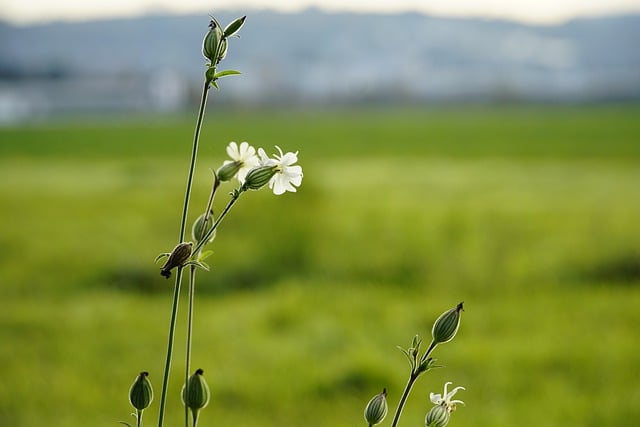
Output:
x=212 y=42
x=438 y=416
x=446 y=326
x=177 y=258
x=141 y=392
x=195 y=394
x=229 y=170
x=376 y=409
x=258 y=177
x=201 y=227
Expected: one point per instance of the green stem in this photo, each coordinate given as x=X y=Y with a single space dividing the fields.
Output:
x=412 y=379
x=183 y=227
x=192 y=286
x=415 y=373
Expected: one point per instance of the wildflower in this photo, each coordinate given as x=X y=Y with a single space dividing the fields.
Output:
x=438 y=416
x=445 y=399
x=243 y=159
x=288 y=176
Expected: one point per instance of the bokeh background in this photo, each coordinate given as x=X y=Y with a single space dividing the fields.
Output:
x=446 y=159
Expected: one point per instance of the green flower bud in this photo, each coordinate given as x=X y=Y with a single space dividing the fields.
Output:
x=233 y=27
x=212 y=41
x=228 y=171
x=201 y=227
x=177 y=258
x=141 y=393
x=376 y=409
x=438 y=416
x=257 y=177
x=446 y=326
x=195 y=394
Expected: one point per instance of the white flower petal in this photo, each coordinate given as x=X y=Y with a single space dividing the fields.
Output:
x=435 y=398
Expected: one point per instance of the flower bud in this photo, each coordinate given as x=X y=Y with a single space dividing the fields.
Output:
x=141 y=393
x=376 y=409
x=257 y=177
x=228 y=171
x=212 y=41
x=446 y=326
x=201 y=227
x=195 y=394
x=178 y=257
x=438 y=416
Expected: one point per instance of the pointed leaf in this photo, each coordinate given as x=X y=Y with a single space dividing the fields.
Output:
x=226 y=73
x=204 y=255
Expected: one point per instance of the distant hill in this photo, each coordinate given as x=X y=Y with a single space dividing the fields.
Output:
x=320 y=57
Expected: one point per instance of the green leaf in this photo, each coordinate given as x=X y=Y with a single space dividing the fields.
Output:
x=233 y=27
x=204 y=255
x=226 y=73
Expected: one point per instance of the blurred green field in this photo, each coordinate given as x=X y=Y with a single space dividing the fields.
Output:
x=529 y=215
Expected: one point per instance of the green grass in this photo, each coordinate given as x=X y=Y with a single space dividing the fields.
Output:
x=529 y=215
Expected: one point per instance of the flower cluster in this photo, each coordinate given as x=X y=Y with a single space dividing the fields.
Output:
x=253 y=171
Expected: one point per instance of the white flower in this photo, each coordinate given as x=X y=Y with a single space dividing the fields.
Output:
x=288 y=176
x=244 y=156
x=445 y=398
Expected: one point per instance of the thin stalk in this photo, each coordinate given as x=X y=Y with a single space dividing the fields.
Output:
x=412 y=379
x=415 y=373
x=192 y=288
x=183 y=227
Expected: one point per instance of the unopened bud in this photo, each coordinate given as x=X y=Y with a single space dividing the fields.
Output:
x=178 y=257
x=201 y=227
x=228 y=171
x=141 y=393
x=259 y=176
x=446 y=326
x=376 y=409
x=195 y=394
x=438 y=416
x=212 y=41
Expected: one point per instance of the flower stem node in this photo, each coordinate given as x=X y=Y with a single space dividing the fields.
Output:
x=438 y=416
x=177 y=258
x=446 y=326
x=195 y=393
x=141 y=392
x=376 y=409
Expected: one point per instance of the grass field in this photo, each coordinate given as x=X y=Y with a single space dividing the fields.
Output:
x=528 y=214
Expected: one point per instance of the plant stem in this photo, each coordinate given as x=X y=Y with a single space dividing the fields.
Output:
x=192 y=288
x=183 y=227
x=412 y=379
x=415 y=373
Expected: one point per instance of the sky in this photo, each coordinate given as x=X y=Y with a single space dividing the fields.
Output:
x=532 y=11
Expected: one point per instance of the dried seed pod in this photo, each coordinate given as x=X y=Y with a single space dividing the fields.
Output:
x=178 y=257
